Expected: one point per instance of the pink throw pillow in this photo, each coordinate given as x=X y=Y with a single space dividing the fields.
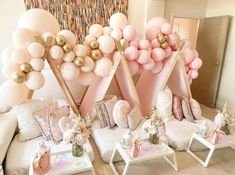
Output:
x=134 y=117
x=48 y=121
x=177 y=108
x=120 y=111
x=186 y=110
x=196 y=109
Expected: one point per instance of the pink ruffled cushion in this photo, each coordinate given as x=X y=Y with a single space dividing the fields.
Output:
x=177 y=108
x=186 y=110
x=120 y=111
x=196 y=109
x=134 y=117
x=48 y=121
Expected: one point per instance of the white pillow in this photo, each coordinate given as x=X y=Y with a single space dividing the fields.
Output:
x=4 y=107
x=134 y=117
x=120 y=111
x=164 y=104
x=28 y=127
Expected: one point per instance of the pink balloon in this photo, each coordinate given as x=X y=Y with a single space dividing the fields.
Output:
x=129 y=33
x=103 y=67
x=39 y=21
x=188 y=55
x=9 y=69
x=193 y=74
x=157 y=22
x=186 y=44
x=168 y=52
x=106 y=44
x=144 y=44
x=20 y=55
x=118 y=20
x=166 y=28
x=131 y=53
x=151 y=33
x=196 y=63
x=144 y=56
x=195 y=53
x=155 y=43
x=86 y=78
x=173 y=39
x=158 y=67
x=187 y=68
x=149 y=65
x=134 y=43
x=133 y=67
x=158 y=54
x=12 y=93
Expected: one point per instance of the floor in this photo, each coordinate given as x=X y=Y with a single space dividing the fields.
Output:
x=222 y=163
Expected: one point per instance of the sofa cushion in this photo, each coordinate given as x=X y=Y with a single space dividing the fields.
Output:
x=8 y=125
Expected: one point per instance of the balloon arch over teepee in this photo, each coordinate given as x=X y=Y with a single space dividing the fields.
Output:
x=106 y=53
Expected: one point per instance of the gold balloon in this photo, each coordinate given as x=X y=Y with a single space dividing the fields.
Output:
x=67 y=47
x=166 y=37
x=96 y=54
x=60 y=40
x=25 y=67
x=19 y=77
x=160 y=34
x=94 y=44
x=161 y=39
x=79 y=61
x=165 y=45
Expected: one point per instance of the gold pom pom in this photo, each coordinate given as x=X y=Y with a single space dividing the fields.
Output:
x=96 y=54
x=25 y=67
x=165 y=45
x=78 y=61
x=60 y=40
x=94 y=44
x=67 y=47
x=19 y=77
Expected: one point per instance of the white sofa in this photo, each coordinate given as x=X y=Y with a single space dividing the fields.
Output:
x=177 y=132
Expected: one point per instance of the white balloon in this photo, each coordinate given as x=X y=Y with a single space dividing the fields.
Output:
x=37 y=63
x=35 y=80
x=69 y=36
x=68 y=57
x=69 y=71
x=56 y=52
x=9 y=69
x=118 y=20
x=36 y=50
x=6 y=56
x=22 y=37
x=20 y=56
x=88 y=39
x=107 y=30
x=96 y=30
x=106 y=44
x=103 y=67
x=116 y=34
x=89 y=64
x=81 y=50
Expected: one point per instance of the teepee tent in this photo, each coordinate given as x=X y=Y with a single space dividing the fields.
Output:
x=172 y=75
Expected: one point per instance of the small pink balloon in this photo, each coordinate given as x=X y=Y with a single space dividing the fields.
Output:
x=166 y=28
x=158 y=67
x=158 y=54
x=6 y=56
x=168 y=52
x=186 y=44
x=173 y=39
x=129 y=33
x=195 y=53
x=187 y=68
x=144 y=44
x=196 y=63
x=131 y=53
x=106 y=44
x=151 y=33
x=20 y=56
x=86 y=78
x=193 y=74
x=144 y=56
x=134 y=43
x=103 y=67
x=35 y=80
x=188 y=55
x=155 y=43
x=12 y=93
x=133 y=67
x=149 y=65
x=9 y=69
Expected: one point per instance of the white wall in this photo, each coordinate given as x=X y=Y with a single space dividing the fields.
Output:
x=10 y=11
x=227 y=85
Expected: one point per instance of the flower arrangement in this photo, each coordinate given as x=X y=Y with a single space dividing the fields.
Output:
x=78 y=134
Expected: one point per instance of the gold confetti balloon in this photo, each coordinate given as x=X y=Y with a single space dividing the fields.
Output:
x=67 y=47
x=79 y=61
x=96 y=54
x=60 y=40
x=94 y=44
x=25 y=67
x=19 y=77
x=165 y=45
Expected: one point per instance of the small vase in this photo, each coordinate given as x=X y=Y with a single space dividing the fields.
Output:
x=226 y=129
x=77 y=150
x=153 y=138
